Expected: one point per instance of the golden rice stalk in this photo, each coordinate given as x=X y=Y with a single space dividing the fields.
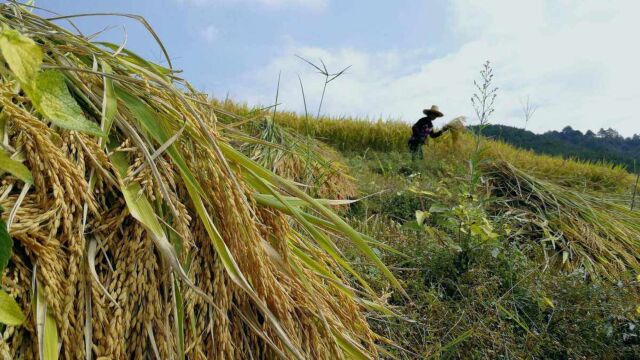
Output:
x=456 y=127
x=576 y=229
x=302 y=159
x=144 y=231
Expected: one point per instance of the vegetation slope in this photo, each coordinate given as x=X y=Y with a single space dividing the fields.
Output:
x=504 y=253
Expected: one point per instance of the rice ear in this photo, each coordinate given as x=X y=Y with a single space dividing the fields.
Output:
x=168 y=192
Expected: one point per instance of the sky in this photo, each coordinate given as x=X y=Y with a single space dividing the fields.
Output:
x=576 y=61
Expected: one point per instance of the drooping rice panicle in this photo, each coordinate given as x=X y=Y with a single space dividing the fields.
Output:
x=139 y=223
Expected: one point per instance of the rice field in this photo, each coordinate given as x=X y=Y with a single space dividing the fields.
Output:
x=359 y=135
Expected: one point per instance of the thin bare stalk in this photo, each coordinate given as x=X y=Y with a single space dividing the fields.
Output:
x=328 y=77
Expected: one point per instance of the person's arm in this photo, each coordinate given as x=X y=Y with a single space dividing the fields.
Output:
x=435 y=134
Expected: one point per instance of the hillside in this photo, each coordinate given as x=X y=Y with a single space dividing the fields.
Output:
x=605 y=145
x=519 y=257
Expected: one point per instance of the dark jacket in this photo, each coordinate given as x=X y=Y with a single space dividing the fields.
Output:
x=423 y=128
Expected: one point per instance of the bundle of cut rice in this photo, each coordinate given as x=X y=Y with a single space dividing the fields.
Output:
x=138 y=231
x=456 y=127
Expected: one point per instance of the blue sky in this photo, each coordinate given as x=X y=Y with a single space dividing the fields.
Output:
x=570 y=57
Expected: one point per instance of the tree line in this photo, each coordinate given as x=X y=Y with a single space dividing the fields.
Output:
x=606 y=145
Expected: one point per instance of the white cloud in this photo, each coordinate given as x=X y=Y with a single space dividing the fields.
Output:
x=210 y=33
x=312 y=4
x=574 y=58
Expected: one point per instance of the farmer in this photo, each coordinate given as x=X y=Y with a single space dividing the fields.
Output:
x=422 y=129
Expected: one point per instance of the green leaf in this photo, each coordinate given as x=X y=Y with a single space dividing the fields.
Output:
x=421 y=216
x=10 y=312
x=52 y=99
x=15 y=168
x=435 y=208
x=462 y=337
x=178 y=304
x=133 y=58
x=6 y=247
x=109 y=101
x=46 y=327
x=153 y=123
x=22 y=54
x=50 y=337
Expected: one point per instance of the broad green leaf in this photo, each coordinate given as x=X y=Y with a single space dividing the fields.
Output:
x=10 y=312
x=52 y=99
x=6 y=247
x=15 y=168
x=22 y=54
x=50 y=337
x=297 y=202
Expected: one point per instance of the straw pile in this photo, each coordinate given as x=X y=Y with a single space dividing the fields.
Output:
x=577 y=229
x=139 y=231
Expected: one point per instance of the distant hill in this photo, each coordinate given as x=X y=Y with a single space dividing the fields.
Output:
x=607 y=145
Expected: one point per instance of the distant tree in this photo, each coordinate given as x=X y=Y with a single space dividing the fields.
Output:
x=609 y=134
x=606 y=145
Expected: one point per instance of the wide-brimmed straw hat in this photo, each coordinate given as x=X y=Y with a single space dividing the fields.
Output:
x=434 y=110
